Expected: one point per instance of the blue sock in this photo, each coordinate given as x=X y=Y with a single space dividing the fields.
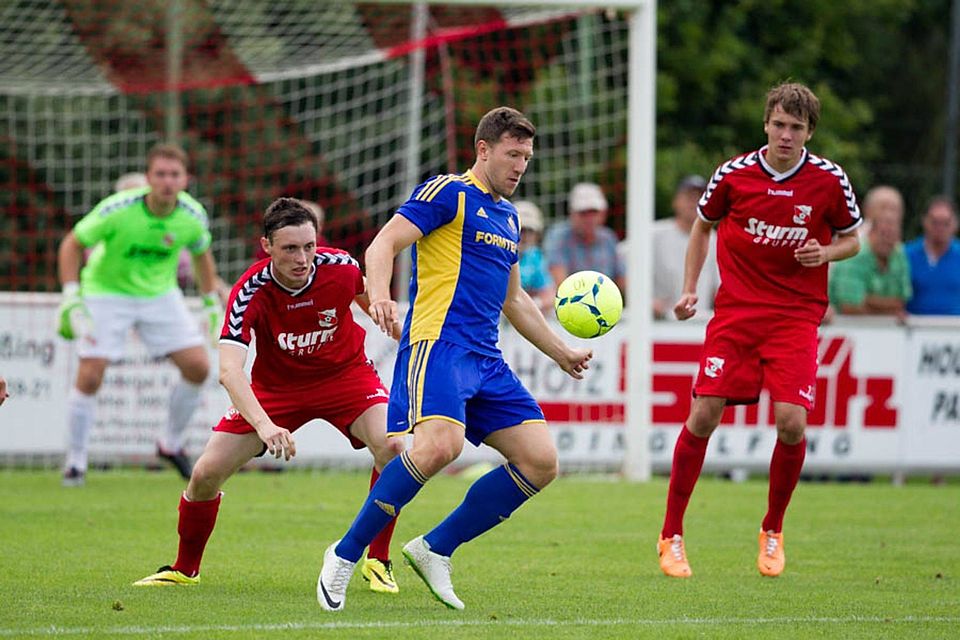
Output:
x=399 y=482
x=489 y=501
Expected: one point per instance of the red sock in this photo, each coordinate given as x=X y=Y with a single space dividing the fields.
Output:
x=687 y=462
x=380 y=545
x=196 y=524
x=785 y=466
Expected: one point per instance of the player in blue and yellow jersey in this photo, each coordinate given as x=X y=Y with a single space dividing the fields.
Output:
x=450 y=382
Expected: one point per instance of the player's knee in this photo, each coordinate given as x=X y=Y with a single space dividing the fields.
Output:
x=540 y=467
x=89 y=385
x=384 y=452
x=704 y=418
x=791 y=423
x=433 y=455
x=196 y=373
x=205 y=481
x=790 y=431
x=89 y=378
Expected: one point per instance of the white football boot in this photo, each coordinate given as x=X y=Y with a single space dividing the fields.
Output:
x=333 y=580
x=434 y=570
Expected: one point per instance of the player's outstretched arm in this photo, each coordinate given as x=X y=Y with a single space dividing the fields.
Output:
x=395 y=236
x=524 y=314
x=697 y=248
x=3 y=390
x=279 y=441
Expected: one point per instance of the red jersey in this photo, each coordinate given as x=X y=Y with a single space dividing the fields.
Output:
x=304 y=335
x=763 y=217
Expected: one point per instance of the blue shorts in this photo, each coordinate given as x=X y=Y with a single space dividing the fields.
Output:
x=437 y=379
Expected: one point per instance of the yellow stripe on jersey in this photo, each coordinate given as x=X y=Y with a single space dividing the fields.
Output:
x=438 y=271
x=431 y=183
x=430 y=192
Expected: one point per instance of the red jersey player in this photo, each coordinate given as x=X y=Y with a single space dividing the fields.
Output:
x=781 y=215
x=310 y=363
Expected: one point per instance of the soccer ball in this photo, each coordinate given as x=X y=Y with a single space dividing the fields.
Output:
x=588 y=304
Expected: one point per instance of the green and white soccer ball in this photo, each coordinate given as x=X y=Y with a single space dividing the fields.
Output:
x=588 y=304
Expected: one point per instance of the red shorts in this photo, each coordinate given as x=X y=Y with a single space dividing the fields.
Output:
x=339 y=400
x=742 y=354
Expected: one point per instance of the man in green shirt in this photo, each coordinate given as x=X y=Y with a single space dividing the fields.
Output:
x=877 y=280
x=130 y=281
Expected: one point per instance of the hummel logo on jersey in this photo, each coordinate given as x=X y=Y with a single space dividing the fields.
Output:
x=714 y=367
x=780 y=192
x=512 y=224
x=774 y=234
x=802 y=213
x=328 y=318
x=482 y=213
x=807 y=393
x=379 y=393
x=299 y=305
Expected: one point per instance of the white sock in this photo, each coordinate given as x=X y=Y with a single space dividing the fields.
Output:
x=81 y=410
x=184 y=400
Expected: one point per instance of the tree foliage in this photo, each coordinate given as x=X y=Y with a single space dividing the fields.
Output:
x=878 y=66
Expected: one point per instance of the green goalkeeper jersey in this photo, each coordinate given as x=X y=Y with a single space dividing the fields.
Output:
x=136 y=252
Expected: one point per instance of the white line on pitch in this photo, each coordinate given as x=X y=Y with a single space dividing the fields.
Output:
x=294 y=626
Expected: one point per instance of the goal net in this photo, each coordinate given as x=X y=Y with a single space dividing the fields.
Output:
x=348 y=104
x=297 y=98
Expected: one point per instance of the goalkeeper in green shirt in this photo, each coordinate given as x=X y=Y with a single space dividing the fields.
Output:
x=130 y=282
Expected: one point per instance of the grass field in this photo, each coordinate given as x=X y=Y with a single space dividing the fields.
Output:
x=864 y=561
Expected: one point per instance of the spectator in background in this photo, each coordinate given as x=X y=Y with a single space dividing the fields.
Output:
x=935 y=262
x=317 y=212
x=583 y=241
x=670 y=239
x=534 y=277
x=877 y=280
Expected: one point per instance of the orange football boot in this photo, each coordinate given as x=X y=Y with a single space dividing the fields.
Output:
x=771 y=559
x=673 y=557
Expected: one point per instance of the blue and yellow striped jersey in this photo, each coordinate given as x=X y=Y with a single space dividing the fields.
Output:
x=461 y=265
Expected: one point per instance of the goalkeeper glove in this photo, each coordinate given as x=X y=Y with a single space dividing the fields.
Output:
x=214 y=315
x=75 y=321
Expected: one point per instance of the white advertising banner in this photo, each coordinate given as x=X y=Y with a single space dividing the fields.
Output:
x=887 y=398
x=932 y=375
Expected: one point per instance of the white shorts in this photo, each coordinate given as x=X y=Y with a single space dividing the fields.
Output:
x=164 y=325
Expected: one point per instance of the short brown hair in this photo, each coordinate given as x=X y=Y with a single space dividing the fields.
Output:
x=166 y=150
x=797 y=100
x=286 y=212
x=501 y=120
